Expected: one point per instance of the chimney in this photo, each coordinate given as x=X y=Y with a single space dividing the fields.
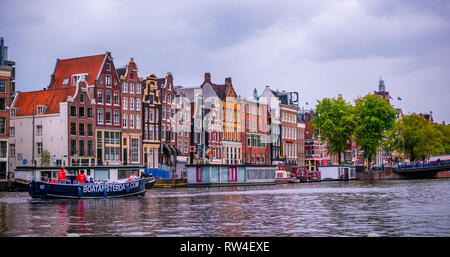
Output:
x=208 y=77
x=169 y=78
x=228 y=81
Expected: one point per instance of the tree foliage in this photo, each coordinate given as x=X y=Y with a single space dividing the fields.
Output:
x=418 y=138
x=374 y=117
x=335 y=121
x=45 y=158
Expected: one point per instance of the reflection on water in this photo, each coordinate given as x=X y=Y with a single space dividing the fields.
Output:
x=357 y=208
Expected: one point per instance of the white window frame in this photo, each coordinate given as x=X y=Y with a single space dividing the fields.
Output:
x=125 y=120
x=138 y=104
x=131 y=107
x=131 y=88
x=100 y=114
x=138 y=121
x=108 y=80
x=125 y=103
x=131 y=121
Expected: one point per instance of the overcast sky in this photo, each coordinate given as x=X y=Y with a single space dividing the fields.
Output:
x=317 y=48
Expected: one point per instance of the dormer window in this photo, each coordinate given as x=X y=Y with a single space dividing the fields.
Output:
x=108 y=67
x=77 y=77
x=41 y=109
x=65 y=82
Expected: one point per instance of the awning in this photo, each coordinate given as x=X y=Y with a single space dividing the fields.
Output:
x=174 y=152
x=167 y=150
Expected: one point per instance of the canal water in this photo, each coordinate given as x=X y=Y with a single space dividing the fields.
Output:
x=395 y=208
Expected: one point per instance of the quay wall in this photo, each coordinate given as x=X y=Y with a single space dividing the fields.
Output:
x=4 y=185
x=170 y=182
x=386 y=173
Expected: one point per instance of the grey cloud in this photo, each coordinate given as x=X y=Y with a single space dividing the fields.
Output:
x=318 y=48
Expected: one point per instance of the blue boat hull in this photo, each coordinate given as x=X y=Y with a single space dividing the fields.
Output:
x=40 y=189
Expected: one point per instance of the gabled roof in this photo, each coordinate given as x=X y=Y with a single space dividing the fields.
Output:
x=275 y=93
x=188 y=92
x=221 y=91
x=67 y=67
x=121 y=71
x=50 y=98
x=160 y=82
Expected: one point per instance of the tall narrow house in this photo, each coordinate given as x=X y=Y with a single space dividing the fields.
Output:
x=170 y=150
x=131 y=113
x=7 y=90
x=229 y=142
x=151 y=105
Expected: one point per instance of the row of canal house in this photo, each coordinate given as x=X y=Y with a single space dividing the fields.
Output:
x=113 y=122
x=97 y=116
x=90 y=115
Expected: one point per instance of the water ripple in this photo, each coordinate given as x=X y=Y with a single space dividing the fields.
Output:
x=357 y=208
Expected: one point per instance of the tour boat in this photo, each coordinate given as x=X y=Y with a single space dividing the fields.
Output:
x=118 y=188
x=282 y=175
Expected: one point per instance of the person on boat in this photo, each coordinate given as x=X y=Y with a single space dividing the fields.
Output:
x=53 y=181
x=62 y=176
x=46 y=178
x=132 y=177
x=91 y=180
x=81 y=178
x=142 y=174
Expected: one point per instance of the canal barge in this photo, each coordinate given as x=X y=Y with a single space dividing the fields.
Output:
x=119 y=188
x=229 y=175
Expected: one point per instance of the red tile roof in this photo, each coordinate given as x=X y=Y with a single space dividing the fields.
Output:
x=51 y=98
x=67 y=67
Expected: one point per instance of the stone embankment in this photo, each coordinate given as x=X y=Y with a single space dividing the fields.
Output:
x=385 y=173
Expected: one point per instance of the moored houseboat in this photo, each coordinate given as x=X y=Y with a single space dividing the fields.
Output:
x=304 y=175
x=337 y=173
x=229 y=175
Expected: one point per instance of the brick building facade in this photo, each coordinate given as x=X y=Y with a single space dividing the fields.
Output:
x=131 y=113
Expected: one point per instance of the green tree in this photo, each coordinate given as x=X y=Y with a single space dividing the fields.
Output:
x=45 y=158
x=334 y=120
x=445 y=139
x=374 y=117
x=417 y=137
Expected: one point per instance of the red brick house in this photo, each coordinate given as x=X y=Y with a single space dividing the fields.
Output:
x=7 y=91
x=131 y=100
x=101 y=77
x=255 y=133
x=170 y=150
